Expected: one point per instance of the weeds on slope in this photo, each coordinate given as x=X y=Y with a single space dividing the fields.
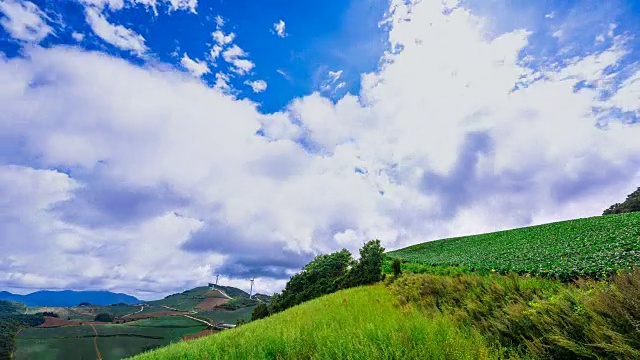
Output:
x=536 y=317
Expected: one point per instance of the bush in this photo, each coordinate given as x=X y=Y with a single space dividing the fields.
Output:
x=104 y=317
x=396 y=266
x=261 y=311
x=368 y=270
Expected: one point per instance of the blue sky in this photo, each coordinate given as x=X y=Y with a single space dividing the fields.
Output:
x=146 y=145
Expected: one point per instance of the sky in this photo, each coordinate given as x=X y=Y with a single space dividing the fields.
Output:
x=147 y=145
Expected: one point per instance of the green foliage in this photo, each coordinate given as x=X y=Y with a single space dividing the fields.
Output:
x=104 y=317
x=563 y=250
x=323 y=275
x=8 y=307
x=396 y=267
x=368 y=269
x=359 y=323
x=238 y=303
x=534 y=317
x=261 y=311
x=9 y=326
x=631 y=204
x=49 y=313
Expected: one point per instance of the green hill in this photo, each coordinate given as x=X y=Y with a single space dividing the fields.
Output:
x=362 y=322
x=563 y=250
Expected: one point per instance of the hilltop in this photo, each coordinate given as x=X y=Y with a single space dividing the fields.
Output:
x=564 y=250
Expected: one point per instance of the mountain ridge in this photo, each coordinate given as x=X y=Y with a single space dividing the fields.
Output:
x=69 y=298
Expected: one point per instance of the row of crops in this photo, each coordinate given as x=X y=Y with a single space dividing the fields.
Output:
x=563 y=250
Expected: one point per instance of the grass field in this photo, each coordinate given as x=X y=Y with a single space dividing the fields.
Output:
x=563 y=250
x=361 y=322
x=114 y=341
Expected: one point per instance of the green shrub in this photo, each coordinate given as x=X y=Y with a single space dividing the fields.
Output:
x=105 y=317
x=396 y=266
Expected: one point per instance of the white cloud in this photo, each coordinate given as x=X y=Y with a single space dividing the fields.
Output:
x=116 y=35
x=196 y=67
x=190 y=5
x=215 y=52
x=77 y=36
x=257 y=86
x=23 y=20
x=279 y=29
x=219 y=21
x=222 y=82
x=234 y=56
x=222 y=39
x=113 y=5
x=436 y=144
x=335 y=75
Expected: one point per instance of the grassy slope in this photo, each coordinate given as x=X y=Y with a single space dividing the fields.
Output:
x=567 y=249
x=361 y=322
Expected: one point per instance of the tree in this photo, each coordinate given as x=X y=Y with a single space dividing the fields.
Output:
x=104 y=317
x=396 y=266
x=631 y=204
x=325 y=274
x=368 y=269
x=261 y=311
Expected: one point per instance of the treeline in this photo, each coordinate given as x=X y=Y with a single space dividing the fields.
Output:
x=11 y=320
x=326 y=274
x=631 y=204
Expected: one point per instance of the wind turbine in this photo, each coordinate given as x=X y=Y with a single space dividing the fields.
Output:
x=251 y=291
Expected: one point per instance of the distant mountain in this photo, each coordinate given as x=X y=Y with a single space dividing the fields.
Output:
x=67 y=298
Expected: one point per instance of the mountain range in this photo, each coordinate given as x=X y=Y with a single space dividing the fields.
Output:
x=68 y=298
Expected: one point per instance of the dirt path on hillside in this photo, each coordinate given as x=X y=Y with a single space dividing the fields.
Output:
x=202 y=321
x=95 y=342
x=139 y=311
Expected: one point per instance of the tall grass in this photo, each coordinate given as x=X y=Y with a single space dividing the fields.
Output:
x=540 y=318
x=359 y=323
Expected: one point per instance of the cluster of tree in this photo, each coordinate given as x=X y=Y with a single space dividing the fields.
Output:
x=49 y=313
x=11 y=320
x=105 y=317
x=237 y=303
x=632 y=204
x=326 y=274
x=8 y=307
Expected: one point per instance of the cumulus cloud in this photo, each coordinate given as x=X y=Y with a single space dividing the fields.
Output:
x=453 y=135
x=116 y=35
x=221 y=38
x=257 y=86
x=236 y=57
x=24 y=20
x=197 y=68
x=279 y=29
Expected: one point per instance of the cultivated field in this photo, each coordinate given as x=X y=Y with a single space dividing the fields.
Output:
x=564 y=250
x=113 y=341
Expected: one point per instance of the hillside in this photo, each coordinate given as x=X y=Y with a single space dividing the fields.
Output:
x=424 y=316
x=68 y=298
x=563 y=250
x=362 y=322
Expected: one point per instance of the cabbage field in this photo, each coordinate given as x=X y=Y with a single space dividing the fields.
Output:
x=590 y=247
